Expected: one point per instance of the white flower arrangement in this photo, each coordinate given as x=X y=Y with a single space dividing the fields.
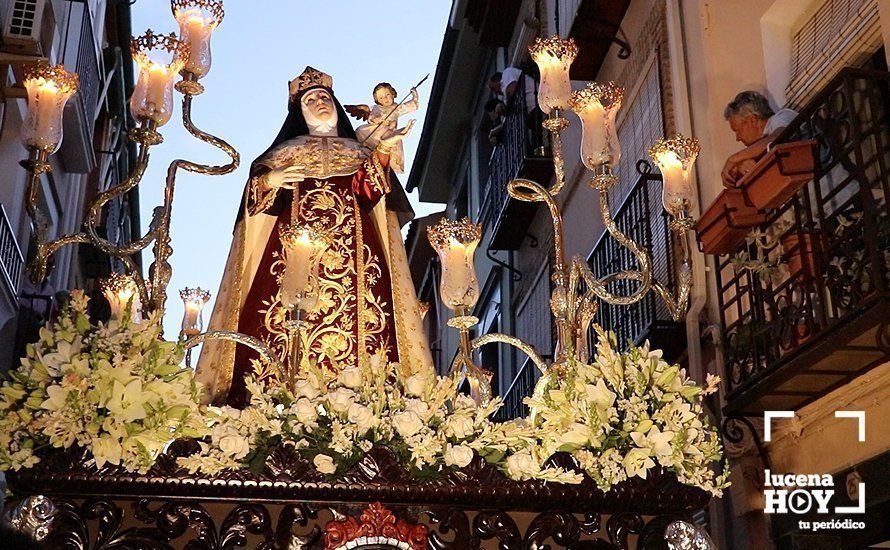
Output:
x=332 y=419
x=118 y=390
x=115 y=389
x=624 y=415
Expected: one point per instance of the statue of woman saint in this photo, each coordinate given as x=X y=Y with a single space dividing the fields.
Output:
x=317 y=174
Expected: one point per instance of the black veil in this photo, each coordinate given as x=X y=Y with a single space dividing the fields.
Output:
x=295 y=123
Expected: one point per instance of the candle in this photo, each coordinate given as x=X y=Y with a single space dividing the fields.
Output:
x=554 y=57
x=454 y=268
x=303 y=248
x=159 y=93
x=197 y=20
x=152 y=98
x=121 y=292
x=295 y=280
x=597 y=106
x=49 y=89
x=456 y=242
x=675 y=158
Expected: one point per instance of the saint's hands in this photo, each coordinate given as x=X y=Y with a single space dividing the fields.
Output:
x=286 y=177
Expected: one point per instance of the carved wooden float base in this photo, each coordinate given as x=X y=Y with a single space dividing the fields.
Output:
x=290 y=506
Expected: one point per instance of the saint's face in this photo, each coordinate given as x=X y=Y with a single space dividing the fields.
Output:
x=320 y=104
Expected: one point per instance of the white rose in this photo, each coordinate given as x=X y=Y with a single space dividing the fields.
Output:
x=362 y=417
x=417 y=384
x=420 y=408
x=459 y=426
x=306 y=411
x=522 y=466
x=341 y=399
x=407 y=423
x=458 y=455
x=305 y=388
x=234 y=445
x=324 y=464
x=351 y=377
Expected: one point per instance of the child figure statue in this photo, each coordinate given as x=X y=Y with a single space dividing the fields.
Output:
x=382 y=119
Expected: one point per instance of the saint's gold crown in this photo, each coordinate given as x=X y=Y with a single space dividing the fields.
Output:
x=310 y=78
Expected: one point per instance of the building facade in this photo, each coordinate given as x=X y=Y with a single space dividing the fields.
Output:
x=810 y=338
x=90 y=38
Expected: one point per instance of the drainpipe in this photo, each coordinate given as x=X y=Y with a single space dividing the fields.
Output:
x=680 y=76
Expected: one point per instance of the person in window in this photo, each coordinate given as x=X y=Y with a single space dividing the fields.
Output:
x=505 y=84
x=755 y=125
x=495 y=111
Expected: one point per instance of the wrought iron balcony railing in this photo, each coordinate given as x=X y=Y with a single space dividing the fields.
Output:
x=641 y=217
x=804 y=302
x=521 y=152
x=519 y=389
x=11 y=259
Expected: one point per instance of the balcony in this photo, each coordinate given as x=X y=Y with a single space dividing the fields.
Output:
x=594 y=26
x=804 y=305
x=522 y=153
x=643 y=219
x=79 y=123
x=493 y=20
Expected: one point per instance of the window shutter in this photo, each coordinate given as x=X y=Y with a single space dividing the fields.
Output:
x=837 y=35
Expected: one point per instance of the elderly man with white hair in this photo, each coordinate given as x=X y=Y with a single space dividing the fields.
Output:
x=756 y=125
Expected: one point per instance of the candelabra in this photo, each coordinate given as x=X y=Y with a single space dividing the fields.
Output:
x=573 y=305
x=159 y=58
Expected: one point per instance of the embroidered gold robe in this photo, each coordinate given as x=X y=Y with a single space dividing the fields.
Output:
x=367 y=301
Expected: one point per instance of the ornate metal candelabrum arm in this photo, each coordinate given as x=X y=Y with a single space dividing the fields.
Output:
x=160 y=270
x=37 y=165
x=463 y=367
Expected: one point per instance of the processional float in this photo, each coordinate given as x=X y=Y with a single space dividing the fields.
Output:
x=464 y=510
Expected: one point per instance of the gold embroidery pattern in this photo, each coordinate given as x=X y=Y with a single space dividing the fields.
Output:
x=348 y=311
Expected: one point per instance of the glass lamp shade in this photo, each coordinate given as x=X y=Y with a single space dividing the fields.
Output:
x=597 y=106
x=122 y=293
x=303 y=248
x=159 y=59
x=675 y=158
x=554 y=57
x=455 y=242
x=49 y=89
x=193 y=300
x=197 y=20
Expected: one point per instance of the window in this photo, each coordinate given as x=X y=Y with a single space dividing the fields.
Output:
x=640 y=127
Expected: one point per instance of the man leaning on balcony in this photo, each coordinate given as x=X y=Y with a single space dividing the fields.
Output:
x=756 y=125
